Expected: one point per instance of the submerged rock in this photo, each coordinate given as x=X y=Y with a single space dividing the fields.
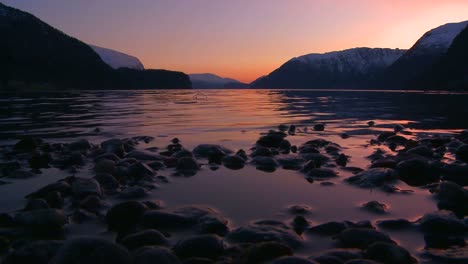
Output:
x=373 y=177
x=204 y=246
x=321 y=173
x=149 y=237
x=151 y=255
x=417 y=172
x=42 y=220
x=125 y=215
x=233 y=162
x=210 y=150
x=27 y=144
x=462 y=153
x=362 y=237
x=35 y=252
x=271 y=140
x=389 y=253
x=293 y=260
x=264 y=252
x=395 y=224
x=114 y=146
x=82 y=187
x=375 y=207
x=267 y=164
x=442 y=222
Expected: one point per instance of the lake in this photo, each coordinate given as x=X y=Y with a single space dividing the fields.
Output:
x=236 y=119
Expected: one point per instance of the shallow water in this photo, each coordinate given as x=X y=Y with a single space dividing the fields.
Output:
x=235 y=119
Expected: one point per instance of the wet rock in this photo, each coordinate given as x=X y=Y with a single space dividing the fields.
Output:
x=21 y=174
x=105 y=166
x=293 y=260
x=319 y=127
x=27 y=144
x=182 y=153
x=36 y=204
x=422 y=151
x=442 y=222
x=271 y=140
x=42 y=220
x=326 y=259
x=261 y=151
x=187 y=165
x=91 y=203
x=329 y=228
x=114 y=146
x=143 y=155
x=152 y=255
x=36 y=252
x=108 y=156
x=60 y=186
x=292 y=130
x=139 y=170
x=54 y=199
x=82 y=187
x=149 y=237
x=233 y=162
x=305 y=149
x=344 y=254
x=395 y=224
x=417 y=172
x=398 y=128
x=133 y=192
x=107 y=181
x=291 y=163
x=210 y=150
x=371 y=123
x=452 y=197
x=204 y=246
x=385 y=135
x=317 y=158
x=264 y=252
x=198 y=261
x=362 y=261
x=397 y=140
x=384 y=163
x=443 y=241
x=7 y=167
x=345 y=136
x=462 y=153
x=300 y=224
x=452 y=255
x=80 y=145
x=362 y=237
x=455 y=173
x=321 y=173
x=300 y=209
x=284 y=146
x=125 y=215
x=372 y=177
x=256 y=233
x=375 y=207
x=389 y=253
x=267 y=164
x=156 y=165
x=91 y=251
x=165 y=220
x=39 y=160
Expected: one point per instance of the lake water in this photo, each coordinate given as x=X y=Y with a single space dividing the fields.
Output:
x=235 y=119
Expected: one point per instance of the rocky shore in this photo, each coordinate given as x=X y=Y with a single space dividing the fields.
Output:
x=121 y=174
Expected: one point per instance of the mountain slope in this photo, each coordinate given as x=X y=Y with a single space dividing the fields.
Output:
x=421 y=56
x=208 y=80
x=352 y=68
x=117 y=59
x=32 y=51
x=451 y=71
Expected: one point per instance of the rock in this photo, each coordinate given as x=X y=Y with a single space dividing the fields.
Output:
x=152 y=255
x=261 y=151
x=305 y=149
x=60 y=186
x=39 y=160
x=362 y=261
x=42 y=221
x=21 y=174
x=452 y=255
x=422 y=151
x=264 y=252
x=149 y=237
x=91 y=251
x=362 y=237
x=198 y=261
x=80 y=145
x=133 y=192
x=326 y=259
x=371 y=123
x=398 y=128
x=91 y=203
x=443 y=241
x=452 y=197
x=233 y=162
x=317 y=158
x=105 y=166
x=182 y=154
x=35 y=252
x=395 y=224
x=300 y=224
x=385 y=135
x=271 y=140
x=139 y=170
x=156 y=165
x=329 y=228
x=143 y=155
x=82 y=187
x=372 y=177
x=462 y=153
x=114 y=146
x=292 y=130
x=293 y=260
x=107 y=181
x=123 y=216
x=300 y=209
x=322 y=173
x=158 y=219
x=442 y=222
x=384 y=163
x=36 y=204
x=204 y=246
x=417 y=172
x=375 y=207
x=256 y=233
x=342 y=160
x=319 y=127
x=291 y=163
x=397 y=140
x=27 y=144
x=267 y=164
x=187 y=164
x=7 y=167
x=107 y=156
x=344 y=254
x=210 y=150
x=388 y=253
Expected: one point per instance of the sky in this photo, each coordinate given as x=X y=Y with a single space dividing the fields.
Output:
x=241 y=39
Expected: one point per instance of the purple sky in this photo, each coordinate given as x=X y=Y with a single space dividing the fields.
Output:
x=243 y=39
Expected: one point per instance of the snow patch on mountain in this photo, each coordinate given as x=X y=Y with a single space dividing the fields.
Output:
x=358 y=59
x=117 y=59
x=441 y=37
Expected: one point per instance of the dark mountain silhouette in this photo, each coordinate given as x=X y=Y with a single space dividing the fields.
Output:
x=33 y=52
x=352 y=68
x=210 y=81
x=153 y=79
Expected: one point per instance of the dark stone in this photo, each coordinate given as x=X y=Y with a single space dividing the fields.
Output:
x=443 y=241
x=123 y=216
x=442 y=222
x=317 y=158
x=204 y=246
x=264 y=252
x=105 y=166
x=389 y=253
x=152 y=255
x=210 y=150
x=462 y=153
x=385 y=135
x=133 y=192
x=107 y=181
x=329 y=228
x=292 y=163
x=267 y=164
x=375 y=207
x=21 y=174
x=362 y=237
x=91 y=203
x=27 y=144
x=271 y=140
x=301 y=209
x=39 y=160
x=143 y=155
x=149 y=237
x=114 y=146
x=319 y=127
x=36 y=204
x=187 y=164
x=327 y=259
x=422 y=151
x=322 y=173
x=91 y=251
x=397 y=140
x=261 y=151
x=80 y=145
x=156 y=165
x=233 y=162
x=139 y=170
x=82 y=187
x=36 y=252
x=42 y=220
x=166 y=220
x=395 y=224
x=293 y=260
x=372 y=177
x=417 y=172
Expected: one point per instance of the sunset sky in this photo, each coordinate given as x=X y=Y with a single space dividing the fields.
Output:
x=242 y=39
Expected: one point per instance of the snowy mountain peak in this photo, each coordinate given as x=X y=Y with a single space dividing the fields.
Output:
x=117 y=59
x=358 y=59
x=441 y=37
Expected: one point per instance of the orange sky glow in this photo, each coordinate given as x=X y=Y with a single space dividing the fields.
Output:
x=242 y=39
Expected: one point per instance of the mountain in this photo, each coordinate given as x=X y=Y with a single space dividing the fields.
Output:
x=208 y=80
x=351 y=68
x=450 y=72
x=117 y=59
x=421 y=56
x=34 y=54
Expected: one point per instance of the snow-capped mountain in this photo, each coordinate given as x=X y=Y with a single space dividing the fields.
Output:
x=208 y=80
x=117 y=59
x=351 y=68
x=422 y=55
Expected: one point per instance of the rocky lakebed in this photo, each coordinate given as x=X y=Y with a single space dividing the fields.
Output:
x=114 y=201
